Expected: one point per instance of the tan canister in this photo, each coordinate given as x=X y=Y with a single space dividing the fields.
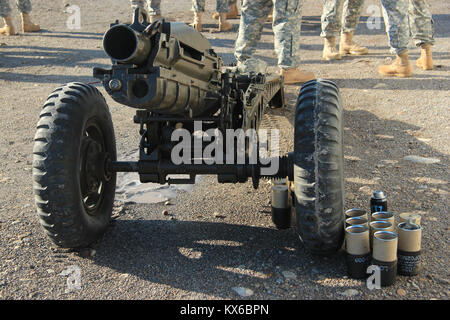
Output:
x=384 y=215
x=414 y=217
x=357 y=240
x=385 y=246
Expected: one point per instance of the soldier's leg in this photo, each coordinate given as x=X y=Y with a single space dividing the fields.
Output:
x=253 y=15
x=5 y=13
x=351 y=13
x=331 y=26
x=154 y=7
x=421 y=22
x=198 y=6
x=232 y=13
x=5 y=9
x=222 y=9
x=398 y=33
x=222 y=6
x=397 y=24
x=137 y=4
x=142 y=9
x=331 y=18
x=421 y=25
x=286 y=28
x=24 y=7
x=154 y=10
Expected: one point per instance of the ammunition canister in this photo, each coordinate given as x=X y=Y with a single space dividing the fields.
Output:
x=409 y=247
x=356 y=221
x=358 y=251
x=380 y=225
x=385 y=256
x=384 y=216
x=281 y=209
x=355 y=212
x=378 y=202
x=405 y=217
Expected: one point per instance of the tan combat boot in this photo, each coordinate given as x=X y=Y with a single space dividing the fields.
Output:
x=27 y=25
x=8 y=28
x=155 y=18
x=347 y=46
x=224 y=25
x=296 y=76
x=329 y=49
x=232 y=14
x=197 y=24
x=425 y=60
x=399 y=68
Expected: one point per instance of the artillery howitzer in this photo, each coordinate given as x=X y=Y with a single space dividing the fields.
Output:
x=172 y=76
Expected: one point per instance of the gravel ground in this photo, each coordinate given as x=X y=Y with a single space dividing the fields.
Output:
x=220 y=237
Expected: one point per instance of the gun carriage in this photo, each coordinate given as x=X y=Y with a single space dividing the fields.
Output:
x=172 y=76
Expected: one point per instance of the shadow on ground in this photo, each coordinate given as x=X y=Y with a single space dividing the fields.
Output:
x=417 y=82
x=206 y=257
x=182 y=254
x=381 y=145
x=16 y=56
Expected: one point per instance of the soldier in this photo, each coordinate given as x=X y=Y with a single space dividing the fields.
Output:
x=340 y=16
x=286 y=27
x=153 y=10
x=24 y=7
x=232 y=14
x=421 y=25
x=222 y=7
x=396 y=15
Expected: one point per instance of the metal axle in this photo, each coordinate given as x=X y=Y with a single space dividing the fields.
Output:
x=157 y=171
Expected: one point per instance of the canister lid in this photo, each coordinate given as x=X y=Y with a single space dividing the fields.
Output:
x=379 y=195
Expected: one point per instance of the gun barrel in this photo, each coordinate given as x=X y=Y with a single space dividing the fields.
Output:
x=125 y=45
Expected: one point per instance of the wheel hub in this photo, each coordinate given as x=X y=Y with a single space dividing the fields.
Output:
x=92 y=173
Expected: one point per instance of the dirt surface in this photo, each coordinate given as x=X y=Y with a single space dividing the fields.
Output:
x=219 y=237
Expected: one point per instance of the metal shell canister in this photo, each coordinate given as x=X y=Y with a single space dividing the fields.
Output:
x=385 y=256
x=380 y=225
x=406 y=216
x=355 y=212
x=356 y=221
x=358 y=251
x=384 y=215
x=281 y=209
x=409 y=249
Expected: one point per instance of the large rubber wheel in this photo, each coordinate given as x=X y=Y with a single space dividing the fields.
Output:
x=318 y=167
x=74 y=139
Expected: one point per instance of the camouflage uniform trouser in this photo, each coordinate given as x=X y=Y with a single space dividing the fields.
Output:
x=153 y=6
x=222 y=6
x=340 y=15
x=396 y=14
x=24 y=6
x=286 y=28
